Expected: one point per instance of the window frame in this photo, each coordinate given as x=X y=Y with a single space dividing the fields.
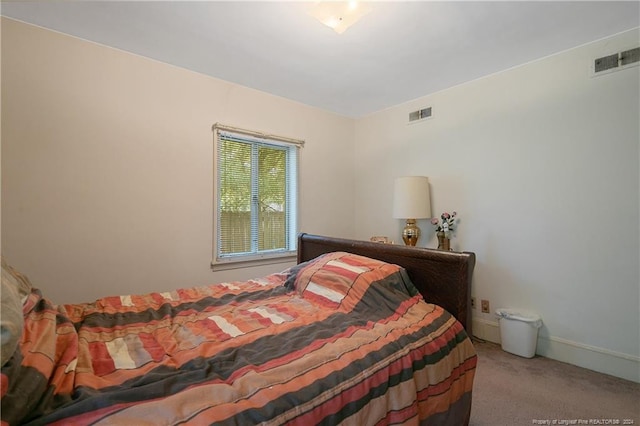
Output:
x=268 y=256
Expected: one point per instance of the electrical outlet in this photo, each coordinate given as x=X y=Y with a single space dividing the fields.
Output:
x=473 y=303
x=485 y=306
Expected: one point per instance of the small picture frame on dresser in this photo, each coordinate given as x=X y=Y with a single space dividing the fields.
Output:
x=381 y=239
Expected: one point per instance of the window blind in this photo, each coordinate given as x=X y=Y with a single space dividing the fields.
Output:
x=256 y=196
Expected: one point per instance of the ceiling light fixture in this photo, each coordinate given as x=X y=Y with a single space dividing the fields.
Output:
x=339 y=15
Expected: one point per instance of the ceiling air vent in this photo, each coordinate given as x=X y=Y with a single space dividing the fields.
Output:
x=617 y=61
x=421 y=114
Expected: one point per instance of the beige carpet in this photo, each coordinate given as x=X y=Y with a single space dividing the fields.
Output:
x=510 y=390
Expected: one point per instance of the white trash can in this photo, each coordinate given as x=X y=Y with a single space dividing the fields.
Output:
x=519 y=331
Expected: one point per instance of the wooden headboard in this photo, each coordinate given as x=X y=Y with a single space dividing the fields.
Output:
x=443 y=277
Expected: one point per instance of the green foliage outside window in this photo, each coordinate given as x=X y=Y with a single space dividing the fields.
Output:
x=253 y=196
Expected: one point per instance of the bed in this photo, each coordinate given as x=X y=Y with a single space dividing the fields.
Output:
x=343 y=337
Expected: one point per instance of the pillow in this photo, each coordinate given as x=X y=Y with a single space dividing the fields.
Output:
x=341 y=280
x=15 y=290
x=17 y=280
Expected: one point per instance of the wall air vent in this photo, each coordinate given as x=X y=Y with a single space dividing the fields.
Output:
x=617 y=61
x=421 y=114
x=606 y=63
x=629 y=56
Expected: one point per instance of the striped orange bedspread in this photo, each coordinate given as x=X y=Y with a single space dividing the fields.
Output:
x=342 y=339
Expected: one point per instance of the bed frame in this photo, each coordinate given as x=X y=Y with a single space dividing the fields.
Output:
x=443 y=277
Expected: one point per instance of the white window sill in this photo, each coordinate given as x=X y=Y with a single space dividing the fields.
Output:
x=248 y=262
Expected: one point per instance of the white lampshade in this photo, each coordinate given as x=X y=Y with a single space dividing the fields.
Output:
x=411 y=198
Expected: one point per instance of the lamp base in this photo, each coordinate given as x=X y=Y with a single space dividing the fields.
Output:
x=410 y=233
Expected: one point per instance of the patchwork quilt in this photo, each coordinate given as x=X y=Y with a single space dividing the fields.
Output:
x=341 y=339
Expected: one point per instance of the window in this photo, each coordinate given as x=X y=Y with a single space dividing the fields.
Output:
x=256 y=179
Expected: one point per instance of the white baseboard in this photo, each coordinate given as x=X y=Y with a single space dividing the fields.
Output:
x=486 y=330
x=592 y=357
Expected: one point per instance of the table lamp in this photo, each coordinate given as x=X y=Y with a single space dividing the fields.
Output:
x=411 y=201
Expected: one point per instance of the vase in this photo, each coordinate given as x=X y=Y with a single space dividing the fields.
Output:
x=443 y=241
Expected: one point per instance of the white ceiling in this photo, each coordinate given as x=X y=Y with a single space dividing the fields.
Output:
x=398 y=52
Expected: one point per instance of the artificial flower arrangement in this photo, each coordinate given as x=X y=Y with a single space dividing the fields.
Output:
x=446 y=223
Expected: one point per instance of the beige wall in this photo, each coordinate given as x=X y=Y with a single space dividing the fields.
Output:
x=541 y=163
x=0 y=131
x=107 y=165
